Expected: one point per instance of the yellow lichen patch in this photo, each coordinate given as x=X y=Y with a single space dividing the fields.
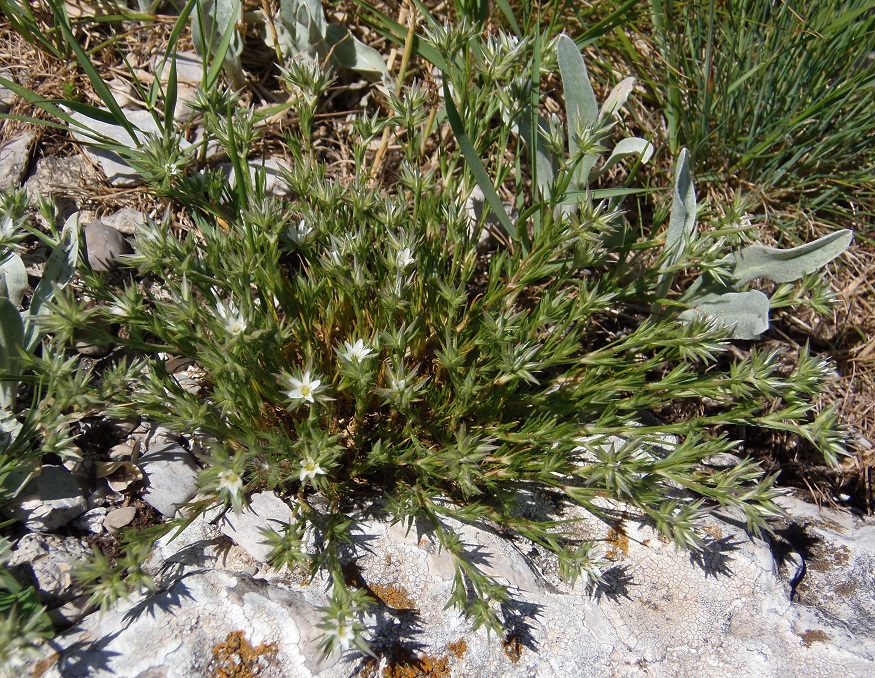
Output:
x=458 y=648
x=619 y=544
x=394 y=596
x=237 y=658
x=812 y=636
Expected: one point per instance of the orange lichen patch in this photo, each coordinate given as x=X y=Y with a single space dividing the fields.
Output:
x=713 y=531
x=43 y=665
x=403 y=663
x=812 y=636
x=513 y=647
x=237 y=658
x=619 y=544
x=394 y=596
x=649 y=604
x=824 y=558
x=458 y=648
x=846 y=588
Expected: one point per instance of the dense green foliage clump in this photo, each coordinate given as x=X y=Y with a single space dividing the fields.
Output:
x=368 y=346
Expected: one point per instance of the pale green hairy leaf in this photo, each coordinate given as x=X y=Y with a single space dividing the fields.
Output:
x=11 y=338
x=682 y=222
x=13 y=279
x=747 y=313
x=58 y=271
x=625 y=148
x=214 y=30
x=350 y=52
x=759 y=261
x=617 y=98
x=581 y=105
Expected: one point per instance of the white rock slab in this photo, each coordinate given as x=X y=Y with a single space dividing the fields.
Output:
x=662 y=612
x=117 y=171
x=173 y=633
x=265 y=511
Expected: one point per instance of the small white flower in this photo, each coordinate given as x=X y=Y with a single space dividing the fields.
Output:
x=235 y=323
x=356 y=352
x=231 y=481
x=405 y=257
x=171 y=169
x=310 y=469
x=299 y=233
x=304 y=388
x=345 y=634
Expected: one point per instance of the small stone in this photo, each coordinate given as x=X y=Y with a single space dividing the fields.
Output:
x=722 y=460
x=118 y=518
x=53 y=176
x=7 y=96
x=105 y=245
x=126 y=221
x=14 y=159
x=274 y=185
x=90 y=350
x=91 y=521
x=122 y=92
x=171 y=476
x=51 y=500
x=189 y=68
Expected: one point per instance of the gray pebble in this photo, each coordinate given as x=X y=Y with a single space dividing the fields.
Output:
x=118 y=518
x=14 y=159
x=105 y=245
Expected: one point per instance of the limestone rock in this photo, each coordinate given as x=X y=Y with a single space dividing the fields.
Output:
x=181 y=633
x=189 y=74
x=14 y=159
x=49 y=501
x=91 y=521
x=47 y=561
x=126 y=221
x=117 y=171
x=726 y=610
x=119 y=518
x=273 y=183
x=171 y=474
x=56 y=177
x=265 y=511
x=7 y=96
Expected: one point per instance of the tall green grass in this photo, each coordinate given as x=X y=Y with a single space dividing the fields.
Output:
x=774 y=94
